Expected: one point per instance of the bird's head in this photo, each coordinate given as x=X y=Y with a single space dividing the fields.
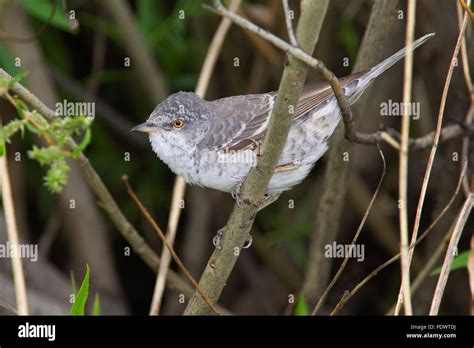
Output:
x=183 y=116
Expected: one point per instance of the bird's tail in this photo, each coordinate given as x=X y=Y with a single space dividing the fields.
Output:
x=357 y=87
x=387 y=63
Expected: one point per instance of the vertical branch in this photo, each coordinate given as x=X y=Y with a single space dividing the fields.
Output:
x=403 y=169
x=12 y=232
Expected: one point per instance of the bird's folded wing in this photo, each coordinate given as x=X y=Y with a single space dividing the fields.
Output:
x=242 y=120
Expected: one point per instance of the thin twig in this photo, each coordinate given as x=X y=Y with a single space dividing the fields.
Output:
x=468 y=80
x=165 y=254
x=13 y=236
x=289 y=24
x=427 y=268
x=439 y=127
x=403 y=168
x=354 y=240
x=451 y=252
x=348 y=295
x=167 y=244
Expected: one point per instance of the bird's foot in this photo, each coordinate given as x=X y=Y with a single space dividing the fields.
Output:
x=216 y=241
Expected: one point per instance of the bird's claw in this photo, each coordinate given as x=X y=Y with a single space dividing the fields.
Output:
x=216 y=241
x=236 y=193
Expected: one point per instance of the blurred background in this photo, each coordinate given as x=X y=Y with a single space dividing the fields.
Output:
x=77 y=50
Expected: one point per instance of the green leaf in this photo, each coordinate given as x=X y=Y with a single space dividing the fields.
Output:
x=2 y=148
x=18 y=77
x=459 y=261
x=301 y=307
x=96 y=306
x=80 y=300
x=42 y=10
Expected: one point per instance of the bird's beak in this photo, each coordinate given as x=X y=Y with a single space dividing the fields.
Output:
x=145 y=127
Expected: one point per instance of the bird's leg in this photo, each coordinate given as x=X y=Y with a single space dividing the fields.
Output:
x=266 y=200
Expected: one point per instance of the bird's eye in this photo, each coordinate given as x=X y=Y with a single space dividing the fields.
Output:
x=178 y=123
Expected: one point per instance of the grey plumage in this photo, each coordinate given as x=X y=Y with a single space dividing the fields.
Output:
x=217 y=141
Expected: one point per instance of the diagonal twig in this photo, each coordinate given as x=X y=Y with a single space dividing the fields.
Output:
x=451 y=252
x=289 y=24
x=354 y=240
x=167 y=244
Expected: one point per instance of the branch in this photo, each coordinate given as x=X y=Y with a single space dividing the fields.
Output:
x=450 y=252
x=403 y=167
x=240 y=222
x=13 y=238
x=289 y=24
x=169 y=247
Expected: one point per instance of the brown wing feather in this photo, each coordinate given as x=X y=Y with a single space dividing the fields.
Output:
x=241 y=118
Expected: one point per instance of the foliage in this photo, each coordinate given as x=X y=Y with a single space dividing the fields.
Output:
x=80 y=298
x=57 y=133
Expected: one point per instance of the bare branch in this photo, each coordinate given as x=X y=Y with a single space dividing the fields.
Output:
x=289 y=24
x=13 y=236
x=403 y=168
x=452 y=248
x=166 y=243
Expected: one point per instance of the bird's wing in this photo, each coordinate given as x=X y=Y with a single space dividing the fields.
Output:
x=242 y=120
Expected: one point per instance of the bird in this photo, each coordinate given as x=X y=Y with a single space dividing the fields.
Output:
x=214 y=144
